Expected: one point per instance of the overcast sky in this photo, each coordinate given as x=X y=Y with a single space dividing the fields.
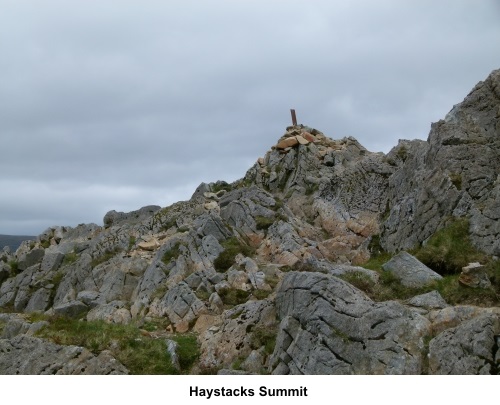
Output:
x=120 y=104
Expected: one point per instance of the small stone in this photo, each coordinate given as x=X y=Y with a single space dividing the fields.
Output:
x=474 y=275
x=301 y=140
x=209 y=195
x=172 y=348
x=287 y=143
x=431 y=300
x=150 y=245
x=308 y=136
x=211 y=205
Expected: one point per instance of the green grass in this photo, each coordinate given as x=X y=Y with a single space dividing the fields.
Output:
x=131 y=242
x=221 y=185
x=278 y=204
x=264 y=336
x=14 y=267
x=69 y=258
x=172 y=253
x=232 y=247
x=203 y=295
x=455 y=294
x=263 y=223
x=156 y=324
x=446 y=252
x=376 y=261
x=261 y=294
x=45 y=244
x=233 y=296
x=388 y=288
x=140 y=354
x=108 y=254
x=402 y=153
x=311 y=188
x=450 y=249
x=360 y=281
x=189 y=350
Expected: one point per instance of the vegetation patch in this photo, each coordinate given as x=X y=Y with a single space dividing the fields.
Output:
x=233 y=296
x=312 y=188
x=156 y=324
x=237 y=364
x=278 y=204
x=446 y=252
x=261 y=294
x=402 y=153
x=450 y=249
x=14 y=267
x=172 y=253
x=263 y=223
x=131 y=242
x=203 y=295
x=455 y=294
x=361 y=281
x=264 y=336
x=159 y=292
x=188 y=350
x=140 y=354
x=456 y=179
x=232 y=247
x=170 y=223
x=303 y=266
x=272 y=280
x=108 y=254
x=69 y=258
x=56 y=281
x=221 y=185
x=45 y=244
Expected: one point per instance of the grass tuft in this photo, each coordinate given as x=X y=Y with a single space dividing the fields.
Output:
x=450 y=249
x=232 y=247
x=172 y=253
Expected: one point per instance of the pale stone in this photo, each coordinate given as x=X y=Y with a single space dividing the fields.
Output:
x=301 y=140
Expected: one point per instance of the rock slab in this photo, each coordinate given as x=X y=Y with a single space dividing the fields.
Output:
x=410 y=271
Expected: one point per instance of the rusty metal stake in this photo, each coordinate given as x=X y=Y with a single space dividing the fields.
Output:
x=294 y=118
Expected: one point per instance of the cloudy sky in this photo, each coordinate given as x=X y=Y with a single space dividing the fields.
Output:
x=120 y=104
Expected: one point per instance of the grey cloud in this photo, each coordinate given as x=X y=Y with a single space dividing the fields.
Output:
x=155 y=97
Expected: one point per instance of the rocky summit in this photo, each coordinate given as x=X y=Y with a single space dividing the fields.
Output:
x=325 y=258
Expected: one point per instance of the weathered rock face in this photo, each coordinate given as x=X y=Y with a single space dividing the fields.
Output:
x=231 y=335
x=454 y=173
x=29 y=355
x=470 y=348
x=116 y=218
x=330 y=327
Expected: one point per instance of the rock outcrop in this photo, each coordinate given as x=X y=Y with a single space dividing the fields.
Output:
x=330 y=327
x=30 y=355
x=263 y=269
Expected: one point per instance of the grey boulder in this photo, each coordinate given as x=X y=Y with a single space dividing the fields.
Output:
x=410 y=271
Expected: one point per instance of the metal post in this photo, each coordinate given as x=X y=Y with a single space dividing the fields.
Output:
x=294 y=118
